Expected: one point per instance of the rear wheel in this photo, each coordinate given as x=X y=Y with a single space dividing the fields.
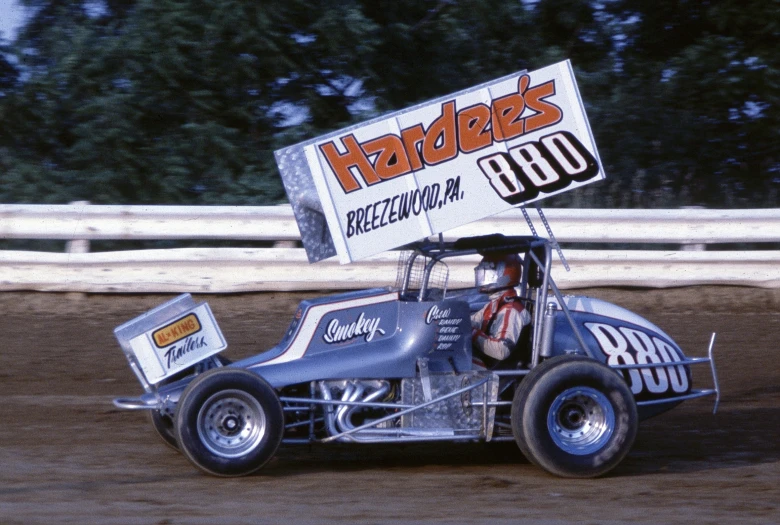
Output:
x=163 y=423
x=163 y=426
x=574 y=417
x=229 y=422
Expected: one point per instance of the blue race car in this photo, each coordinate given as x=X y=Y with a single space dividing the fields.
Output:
x=390 y=365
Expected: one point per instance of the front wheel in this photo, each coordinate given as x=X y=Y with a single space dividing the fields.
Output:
x=229 y=422
x=574 y=417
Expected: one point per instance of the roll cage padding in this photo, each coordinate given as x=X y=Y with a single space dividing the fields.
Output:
x=495 y=243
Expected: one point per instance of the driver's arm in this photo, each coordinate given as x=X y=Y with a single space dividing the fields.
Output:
x=504 y=332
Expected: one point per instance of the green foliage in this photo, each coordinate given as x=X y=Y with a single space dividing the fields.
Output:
x=184 y=101
x=699 y=84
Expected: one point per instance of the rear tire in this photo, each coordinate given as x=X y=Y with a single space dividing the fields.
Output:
x=574 y=417
x=229 y=422
x=163 y=426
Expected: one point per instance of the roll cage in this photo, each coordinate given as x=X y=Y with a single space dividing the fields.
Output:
x=534 y=289
x=535 y=285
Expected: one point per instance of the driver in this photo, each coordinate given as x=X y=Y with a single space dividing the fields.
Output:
x=496 y=327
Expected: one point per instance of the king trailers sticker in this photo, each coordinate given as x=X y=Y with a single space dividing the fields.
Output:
x=440 y=165
x=177 y=344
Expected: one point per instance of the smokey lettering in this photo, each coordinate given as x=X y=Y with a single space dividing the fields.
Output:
x=368 y=327
x=176 y=352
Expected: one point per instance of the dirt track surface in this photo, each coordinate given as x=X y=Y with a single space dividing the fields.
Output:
x=68 y=456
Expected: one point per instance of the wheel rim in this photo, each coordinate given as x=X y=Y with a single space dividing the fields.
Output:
x=231 y=423
x=581 y=420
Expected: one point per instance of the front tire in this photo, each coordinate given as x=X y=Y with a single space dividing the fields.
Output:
x=574 y=417
x=229 y=422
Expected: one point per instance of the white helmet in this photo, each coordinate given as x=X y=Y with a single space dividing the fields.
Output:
x=498 y=272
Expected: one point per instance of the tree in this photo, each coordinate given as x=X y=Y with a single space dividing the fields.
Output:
x=184 y=101
x=165 y=101
x=696 y=101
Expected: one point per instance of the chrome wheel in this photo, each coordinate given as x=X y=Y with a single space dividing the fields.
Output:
x=581 y=420
x=231 y=423
x=574 y=417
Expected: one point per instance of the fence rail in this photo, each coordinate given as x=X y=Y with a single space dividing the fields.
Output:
x=218 y=270
x=269 y=223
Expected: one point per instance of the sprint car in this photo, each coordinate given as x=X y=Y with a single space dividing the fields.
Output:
x=390 y=365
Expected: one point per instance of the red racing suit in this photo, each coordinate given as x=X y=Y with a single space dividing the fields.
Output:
x=496 y=327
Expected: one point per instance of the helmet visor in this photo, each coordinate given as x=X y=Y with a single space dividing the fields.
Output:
x=485 y=274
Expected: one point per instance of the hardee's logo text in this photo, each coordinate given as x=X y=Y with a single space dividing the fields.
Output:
x=467 y=130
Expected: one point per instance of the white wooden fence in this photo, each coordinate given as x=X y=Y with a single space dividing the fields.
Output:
x=257 y=269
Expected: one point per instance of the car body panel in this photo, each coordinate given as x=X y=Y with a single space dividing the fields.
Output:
x=372 y=334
